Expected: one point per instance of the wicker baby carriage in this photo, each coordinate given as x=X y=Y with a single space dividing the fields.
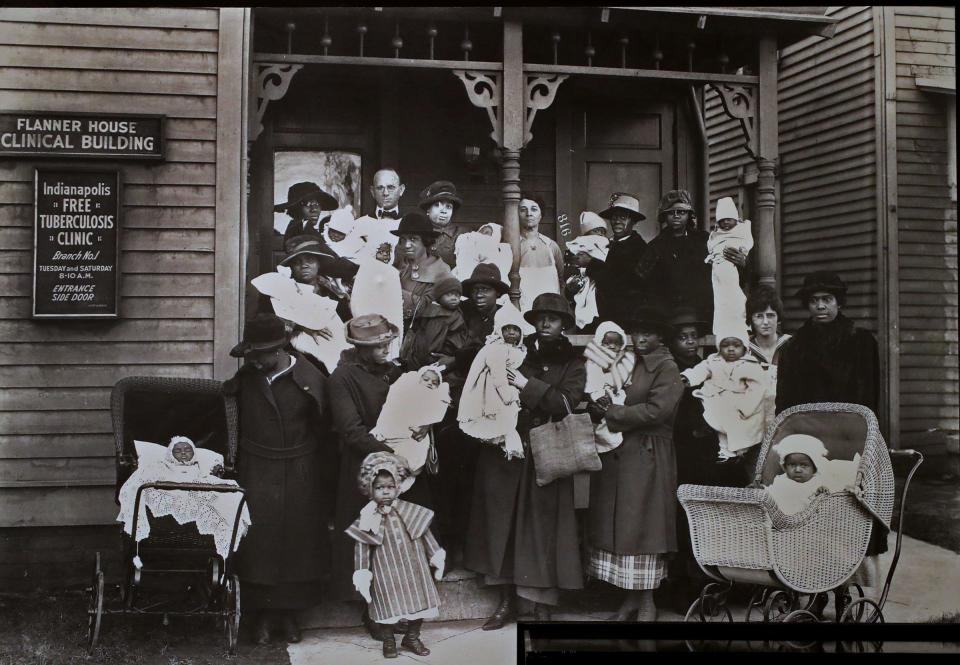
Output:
x=175 y=570
x=739 y=535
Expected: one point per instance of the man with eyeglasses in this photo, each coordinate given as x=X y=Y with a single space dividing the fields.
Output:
x=386 y=191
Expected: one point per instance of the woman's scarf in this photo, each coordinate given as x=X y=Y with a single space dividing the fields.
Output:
x=618 y=365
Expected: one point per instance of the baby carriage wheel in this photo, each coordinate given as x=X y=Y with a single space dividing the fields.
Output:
x=230 y=611
x=862 y=610
x=95 y=606
x=710 y=606
x=778 y=605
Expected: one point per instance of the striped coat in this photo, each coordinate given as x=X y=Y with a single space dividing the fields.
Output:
x=399 y=558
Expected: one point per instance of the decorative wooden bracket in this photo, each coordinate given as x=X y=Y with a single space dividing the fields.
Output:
x=272 y=84
x=483 y=89
x=541 y=90
x=739 y=103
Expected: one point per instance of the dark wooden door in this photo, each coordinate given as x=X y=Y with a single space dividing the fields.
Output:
x=323 y=131
x=615 y=145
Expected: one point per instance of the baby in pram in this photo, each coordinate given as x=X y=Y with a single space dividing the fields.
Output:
x=182 y=462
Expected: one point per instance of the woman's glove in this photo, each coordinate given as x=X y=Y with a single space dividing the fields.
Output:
x=438 y=561
x=361 y=582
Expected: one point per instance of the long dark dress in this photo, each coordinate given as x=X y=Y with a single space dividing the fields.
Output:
x=358 y=392
x=683 y=277
x=832 y=362
x=623 y=280
x=519 y=533
x=287 y=461
x=633 y=504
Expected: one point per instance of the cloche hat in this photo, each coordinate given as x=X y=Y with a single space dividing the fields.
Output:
x=370 y=330
x=415 y=224
x=264 y=332
x=553 y=303
x=441 y=190
x=823 y=280
x=488 y=274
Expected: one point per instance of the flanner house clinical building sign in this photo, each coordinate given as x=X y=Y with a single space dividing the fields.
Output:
x=110 y=136
x=76 y=243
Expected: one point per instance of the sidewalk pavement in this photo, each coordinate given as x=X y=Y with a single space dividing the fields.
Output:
x=924 y=587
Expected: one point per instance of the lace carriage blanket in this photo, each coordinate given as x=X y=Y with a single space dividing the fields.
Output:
x=212 y=512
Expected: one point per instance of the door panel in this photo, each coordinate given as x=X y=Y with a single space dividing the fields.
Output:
x=615 y=145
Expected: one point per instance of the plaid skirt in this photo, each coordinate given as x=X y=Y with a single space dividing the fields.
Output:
x=635 y=572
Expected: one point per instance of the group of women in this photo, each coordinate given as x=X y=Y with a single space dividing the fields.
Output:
x=518 y=535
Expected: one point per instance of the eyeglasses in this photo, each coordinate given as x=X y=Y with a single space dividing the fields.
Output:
x=678 y=213
x=386 y=188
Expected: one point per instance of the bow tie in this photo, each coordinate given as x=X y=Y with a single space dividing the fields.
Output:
x=388 y=214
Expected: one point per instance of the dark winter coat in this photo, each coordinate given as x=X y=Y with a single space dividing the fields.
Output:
x=517 y=530
x=622 y=280
x=829 y=362
x=287 y=464
x=633 y=497
x=695 y=442
x=479 y=325
x=435 y=330
x=357 y=394
x=682 y=277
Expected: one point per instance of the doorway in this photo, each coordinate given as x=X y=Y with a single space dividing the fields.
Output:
x=634 y=142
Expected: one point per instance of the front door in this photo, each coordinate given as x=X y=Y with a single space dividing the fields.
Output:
x=614 y=145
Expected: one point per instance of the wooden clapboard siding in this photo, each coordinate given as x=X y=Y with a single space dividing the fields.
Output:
x=727 y=152
x=828 y=163
x=925 y=48
x=56 y=450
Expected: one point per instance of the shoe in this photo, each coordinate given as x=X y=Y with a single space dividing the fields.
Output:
x=411 y=640
x=400 y=627
x=390 y=647
x=541 y=612
x=261 y=630
x=290 y=628
x=504 y=613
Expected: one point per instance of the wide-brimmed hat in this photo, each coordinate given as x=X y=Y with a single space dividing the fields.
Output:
x=822 y=280
x=488 y=274
x=553 y=303
x=675 y=199
x=441 y=190
x=415 y=224
x=687 y=316
x=648 y=317
x=370 y=330
x=262 y=333
x=331 y=265
x=622 y=202
x=301 y=191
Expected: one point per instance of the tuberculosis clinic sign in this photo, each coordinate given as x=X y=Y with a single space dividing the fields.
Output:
x=28 y=133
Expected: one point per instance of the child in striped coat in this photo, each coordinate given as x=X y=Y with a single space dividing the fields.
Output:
x=393 y=554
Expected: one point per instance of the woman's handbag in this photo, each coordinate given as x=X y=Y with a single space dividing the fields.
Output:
x=564 y=448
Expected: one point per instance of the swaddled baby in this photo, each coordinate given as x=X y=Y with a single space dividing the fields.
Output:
x=489 y=405
x=415 y=399
x=213 y=512
x=609 y=368
x=481 y=246
x=376 y=288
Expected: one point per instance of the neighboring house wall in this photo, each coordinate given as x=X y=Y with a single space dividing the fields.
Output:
x=828 y=165
x=927 y=220
x=56 y=441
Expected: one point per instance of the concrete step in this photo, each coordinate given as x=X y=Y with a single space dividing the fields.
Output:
x=462 y=596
